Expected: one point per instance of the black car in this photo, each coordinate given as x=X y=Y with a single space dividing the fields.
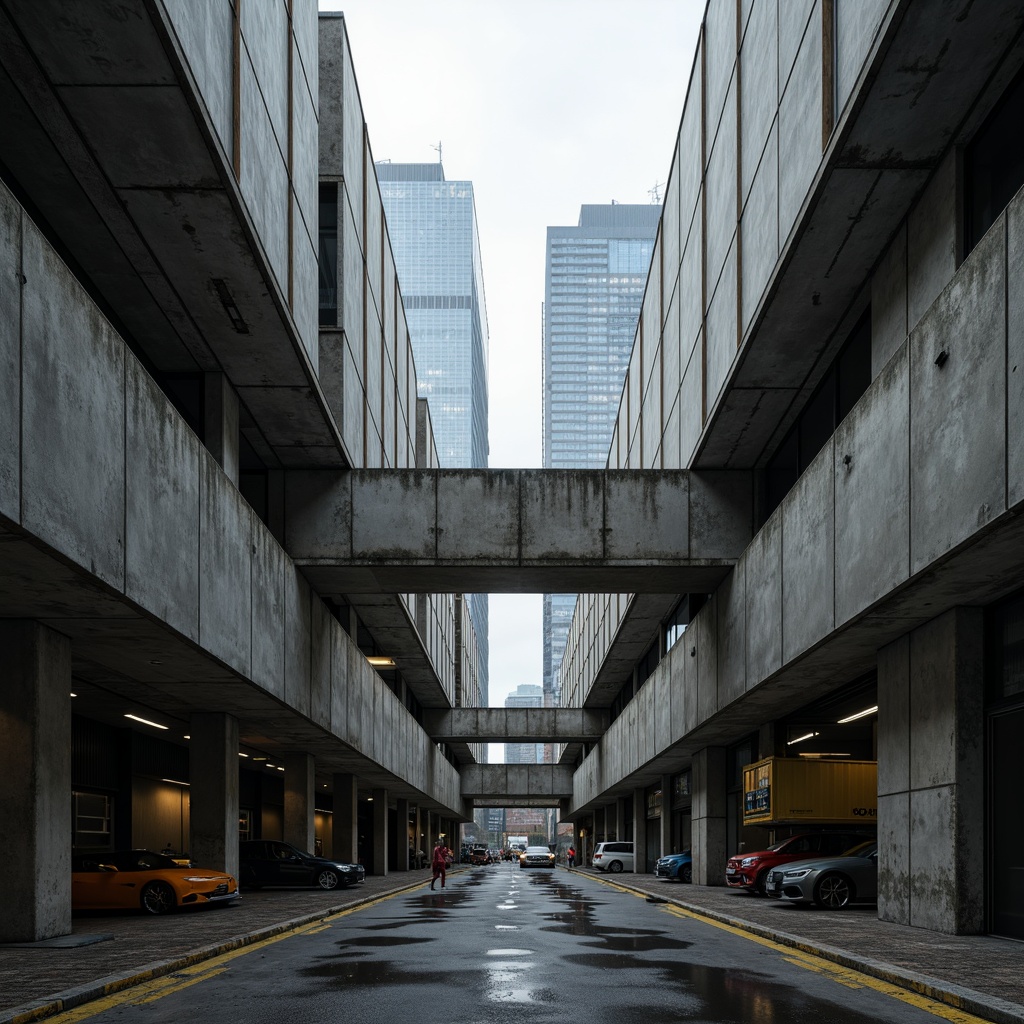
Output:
x=269 y=862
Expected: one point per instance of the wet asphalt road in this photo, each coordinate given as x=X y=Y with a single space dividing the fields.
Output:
x=505 y=945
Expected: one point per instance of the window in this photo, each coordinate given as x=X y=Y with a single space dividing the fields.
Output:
x=846 y=380
x=994 y=165
x=328 y=255
x=91 y=815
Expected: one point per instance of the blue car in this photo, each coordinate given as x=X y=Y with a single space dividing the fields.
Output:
x=676 y=865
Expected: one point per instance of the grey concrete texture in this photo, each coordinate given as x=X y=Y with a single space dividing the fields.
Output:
x=522 y=725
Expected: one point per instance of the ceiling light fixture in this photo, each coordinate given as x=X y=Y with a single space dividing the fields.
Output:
x=240 y=754
x=146 y=721
x=74 y=695
x=381 y=661
x=800 y=739
x=176 y=782
x=860 y=714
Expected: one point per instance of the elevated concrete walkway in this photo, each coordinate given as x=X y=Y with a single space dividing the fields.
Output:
x=516 y=785
x=517 y=725
x=517 y=530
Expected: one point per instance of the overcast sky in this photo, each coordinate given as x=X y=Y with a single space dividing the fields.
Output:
x=544 y=105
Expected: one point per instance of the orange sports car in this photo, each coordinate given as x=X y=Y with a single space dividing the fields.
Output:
x=140 y=879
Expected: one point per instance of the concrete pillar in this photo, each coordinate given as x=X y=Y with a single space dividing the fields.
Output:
x=709 y=809
x=621 y=825
x=299 y=797
x=213 y=794
x=345 y=819
x=429 y=840
x=665 y=835
x=380 y=832
x=403 y=834
x=35 y=781
x=639 y=832
x=221 y=416
x=600 y=823
x=931 y=768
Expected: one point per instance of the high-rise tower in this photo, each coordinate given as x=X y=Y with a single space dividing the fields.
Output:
x=594 y=284
x=433 y=231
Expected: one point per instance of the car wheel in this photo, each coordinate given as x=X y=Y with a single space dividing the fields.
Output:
x=833 y=892
x=686 y=873
x=158 y=898
x=760 y=883
x=249 y=879
x=327 y=879
x=615 y=867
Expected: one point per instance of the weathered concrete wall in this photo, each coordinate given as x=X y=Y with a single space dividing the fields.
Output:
x=931 y=768
x=547 y=783
x=521 y=725
x=101 y=470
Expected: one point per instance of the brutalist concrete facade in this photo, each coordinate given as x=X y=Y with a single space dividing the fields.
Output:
x=162 y=371
x=820 y=183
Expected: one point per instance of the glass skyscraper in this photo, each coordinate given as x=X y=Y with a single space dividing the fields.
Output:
x=526 y=695
x=433 y=231
x=594 y=285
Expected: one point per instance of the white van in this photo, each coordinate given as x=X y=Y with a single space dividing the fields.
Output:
x=614 y=857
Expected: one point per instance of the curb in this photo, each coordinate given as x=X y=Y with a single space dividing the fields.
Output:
x=74 y=997
x=970 y=1001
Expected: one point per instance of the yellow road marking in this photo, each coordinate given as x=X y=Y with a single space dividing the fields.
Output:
x=844 y=976
x=157 y=988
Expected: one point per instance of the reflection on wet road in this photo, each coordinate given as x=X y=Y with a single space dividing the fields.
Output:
x=500 y=944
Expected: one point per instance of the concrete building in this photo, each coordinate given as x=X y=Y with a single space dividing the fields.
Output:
x=594 y=278
x=436 y=245
x=231 y=524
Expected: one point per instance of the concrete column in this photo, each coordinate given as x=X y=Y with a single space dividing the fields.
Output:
x=380 y=831
x=429 y=841
x=931 y=767
x=666 y=816
x=35 y=781
x=299 y=797
x=403 y=834
x=221 y=415
x=345 y=819
x=600 y=822
x=639 y=832
x=621 y=825
x=213 y=795
x=708 y=821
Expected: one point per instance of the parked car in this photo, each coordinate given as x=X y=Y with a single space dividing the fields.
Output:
x=269 y=862
x=536 y=857
x=750 y=870
x=833 y=883
x=678 y=866
x=480 y=855
x=143 y=880
x=614 y=857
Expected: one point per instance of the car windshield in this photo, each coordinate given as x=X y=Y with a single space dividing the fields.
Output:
x=537 y=851
x=862 y=850
x=138 y=860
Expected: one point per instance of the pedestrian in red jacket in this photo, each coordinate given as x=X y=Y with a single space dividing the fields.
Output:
x=438 y=865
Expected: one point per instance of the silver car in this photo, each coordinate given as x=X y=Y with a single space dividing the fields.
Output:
x=833 y=882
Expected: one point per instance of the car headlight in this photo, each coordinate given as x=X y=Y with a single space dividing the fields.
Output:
x=797 y=873
x=198 y=878
x=749 y=862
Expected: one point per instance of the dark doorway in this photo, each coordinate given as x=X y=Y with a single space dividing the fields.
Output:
x=1006 y=877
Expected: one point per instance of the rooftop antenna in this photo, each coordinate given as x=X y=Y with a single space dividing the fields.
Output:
x=655 y=192
x=438 y=148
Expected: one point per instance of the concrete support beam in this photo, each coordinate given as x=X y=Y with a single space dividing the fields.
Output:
x=345 y=819
x=213 y=795
x=403 y=838
x=931 y=767
x=709 y=815
x=35 y=781
x=620 y=819
x=380 y=832
x=517 y=531
x=515 y=725
x=665 y=833
x=299 y=789
x=545 y=784
x=639 y=832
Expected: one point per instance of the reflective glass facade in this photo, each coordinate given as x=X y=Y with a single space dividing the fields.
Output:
x=432 y=226
x=594 y=285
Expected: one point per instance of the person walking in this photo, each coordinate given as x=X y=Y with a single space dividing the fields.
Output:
x=570 y=857
x=438 y=865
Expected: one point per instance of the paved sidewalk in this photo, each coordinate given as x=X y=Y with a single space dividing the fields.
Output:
x=979 y=974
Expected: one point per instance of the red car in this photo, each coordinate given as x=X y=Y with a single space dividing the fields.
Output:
x=750 y=870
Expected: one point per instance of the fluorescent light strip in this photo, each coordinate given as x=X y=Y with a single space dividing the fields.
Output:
x=176 y=782
x=860 y=714
x=146 y=721
x=800 y=739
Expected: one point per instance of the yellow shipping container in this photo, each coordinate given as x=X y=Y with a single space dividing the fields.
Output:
x=785 y=790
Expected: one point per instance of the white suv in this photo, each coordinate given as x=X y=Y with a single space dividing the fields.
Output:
x=614 y=857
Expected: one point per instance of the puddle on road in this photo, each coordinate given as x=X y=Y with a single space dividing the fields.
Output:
x=384 y=940
x=508 y=952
